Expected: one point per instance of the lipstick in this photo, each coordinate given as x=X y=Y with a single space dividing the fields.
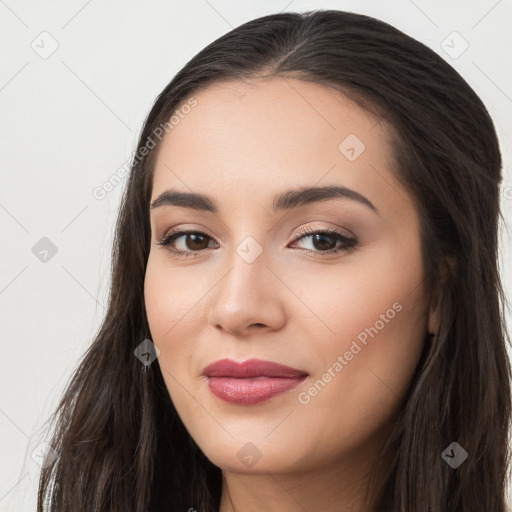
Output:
x=252 y=381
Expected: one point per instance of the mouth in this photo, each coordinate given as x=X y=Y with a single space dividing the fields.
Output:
x=252 y=381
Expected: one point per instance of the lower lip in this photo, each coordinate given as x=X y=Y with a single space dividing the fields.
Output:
x=251 y=390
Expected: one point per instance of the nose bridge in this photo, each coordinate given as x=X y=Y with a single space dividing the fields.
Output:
x=248 y=256
x=244 y=284
x=246 y=294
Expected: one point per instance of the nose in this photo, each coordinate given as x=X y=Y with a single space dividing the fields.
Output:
x=248 y=299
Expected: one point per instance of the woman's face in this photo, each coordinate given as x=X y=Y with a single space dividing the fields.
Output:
x=255 y=286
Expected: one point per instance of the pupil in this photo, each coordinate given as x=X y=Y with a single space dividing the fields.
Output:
x=322 y=238
x=194 y=238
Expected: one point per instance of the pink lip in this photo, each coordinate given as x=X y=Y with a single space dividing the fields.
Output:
x=252 y=381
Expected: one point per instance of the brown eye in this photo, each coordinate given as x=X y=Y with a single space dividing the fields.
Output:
x=193 y=241
x=325 y=241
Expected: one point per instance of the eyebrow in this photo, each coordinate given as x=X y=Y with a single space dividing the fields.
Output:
x=283 y=201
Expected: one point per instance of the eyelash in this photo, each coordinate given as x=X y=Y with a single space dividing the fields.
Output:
x=349 y=243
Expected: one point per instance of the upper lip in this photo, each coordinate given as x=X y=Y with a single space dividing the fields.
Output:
x=250 y=368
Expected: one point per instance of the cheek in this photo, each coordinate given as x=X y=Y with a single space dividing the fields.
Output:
x=170 y=305
x=377 y=321
x=378 y=305
x=172 y=297
x=365 y=375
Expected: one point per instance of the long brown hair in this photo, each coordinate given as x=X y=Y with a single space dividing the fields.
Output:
x=120 y=442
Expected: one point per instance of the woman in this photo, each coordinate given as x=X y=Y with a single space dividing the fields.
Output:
x=305 y=310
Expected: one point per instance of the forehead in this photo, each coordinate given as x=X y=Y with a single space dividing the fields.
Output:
x=273 y=133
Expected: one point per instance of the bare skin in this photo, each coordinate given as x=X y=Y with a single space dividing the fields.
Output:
x=242 y=145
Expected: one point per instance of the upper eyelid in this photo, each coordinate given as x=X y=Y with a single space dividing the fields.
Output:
x=311 y=230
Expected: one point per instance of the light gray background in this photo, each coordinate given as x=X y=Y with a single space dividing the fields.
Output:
x=70 y=120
